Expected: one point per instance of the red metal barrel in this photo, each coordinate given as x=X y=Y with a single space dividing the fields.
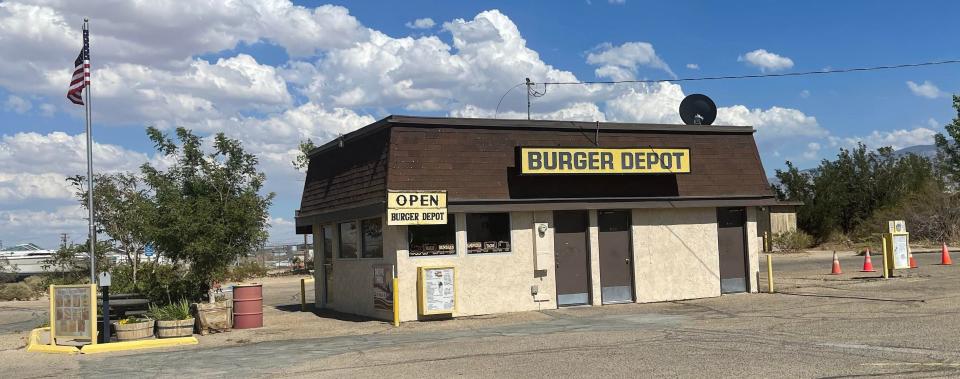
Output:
x=247 y=306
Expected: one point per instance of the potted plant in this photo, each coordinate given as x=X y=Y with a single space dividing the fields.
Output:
x=173 y=320
x=133 y=327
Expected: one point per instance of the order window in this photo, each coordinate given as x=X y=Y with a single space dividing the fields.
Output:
x=488 y=233
x=372 y=238
x=348 y=239
x=429 y=240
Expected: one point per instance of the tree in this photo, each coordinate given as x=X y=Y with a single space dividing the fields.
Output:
x=303 y=157
x=840 y=195
x=123 y=210
x=208 y=207
x=948 y=150
x=71 y=264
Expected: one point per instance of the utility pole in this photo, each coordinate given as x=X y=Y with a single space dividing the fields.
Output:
x=63 y=240
x=529 y=89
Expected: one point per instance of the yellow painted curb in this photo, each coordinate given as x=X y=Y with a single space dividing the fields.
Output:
x=136 y=345
x=34 y=345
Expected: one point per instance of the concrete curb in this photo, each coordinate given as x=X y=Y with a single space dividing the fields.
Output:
x=34 y=344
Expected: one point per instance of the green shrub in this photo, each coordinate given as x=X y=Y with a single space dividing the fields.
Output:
x=178 y=310
x=793 y=241
x=16 y=291
x=247 y=270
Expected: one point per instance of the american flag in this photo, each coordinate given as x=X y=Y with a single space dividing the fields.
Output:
x=81 y=71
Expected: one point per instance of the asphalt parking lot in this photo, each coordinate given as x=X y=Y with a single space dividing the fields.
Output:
x=819 y=325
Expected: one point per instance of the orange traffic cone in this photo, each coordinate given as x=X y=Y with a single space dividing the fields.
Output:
x=913 y=262
x=867 y=263
x=836 y=265
x=945 y=256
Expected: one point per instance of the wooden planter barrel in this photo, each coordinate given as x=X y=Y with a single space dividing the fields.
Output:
x=135 y=331
x=175 y=328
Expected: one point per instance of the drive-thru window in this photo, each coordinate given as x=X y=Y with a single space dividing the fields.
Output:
x=479 y=216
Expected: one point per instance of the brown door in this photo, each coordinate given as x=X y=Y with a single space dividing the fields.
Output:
x=616 y=270
x=733 y=252
x=572 y=260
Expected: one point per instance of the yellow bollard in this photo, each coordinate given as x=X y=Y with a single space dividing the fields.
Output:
x=303 y=295
x=886 y=272
x=769 y=273
x=396 y=301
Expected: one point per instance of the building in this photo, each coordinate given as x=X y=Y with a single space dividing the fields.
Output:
x=779 y=218
x=538 y=214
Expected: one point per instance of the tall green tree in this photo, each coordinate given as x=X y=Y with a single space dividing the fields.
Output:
x=839 y=195
x=948 y=150
x=303 y=155
x=209 y=209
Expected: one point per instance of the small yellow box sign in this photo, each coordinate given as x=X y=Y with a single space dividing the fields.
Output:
x=537 y=160
x=416 y=207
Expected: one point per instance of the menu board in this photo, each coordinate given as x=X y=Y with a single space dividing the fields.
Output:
x=901 y=251
x=73 y=309
x=383 y=287
x=437 y=290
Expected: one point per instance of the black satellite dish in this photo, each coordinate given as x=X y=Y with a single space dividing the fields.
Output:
x=698 y=109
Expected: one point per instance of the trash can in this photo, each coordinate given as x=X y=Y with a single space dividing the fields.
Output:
x=247 y=306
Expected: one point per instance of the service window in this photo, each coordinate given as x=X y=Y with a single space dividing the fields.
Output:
x=428 y=240
x=348 y=239
x=372 y=238
x=488 y=233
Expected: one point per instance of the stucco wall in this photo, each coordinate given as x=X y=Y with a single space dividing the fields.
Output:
x=351 y=290
x=754 y=246
x=676 y=254
x=486 y=283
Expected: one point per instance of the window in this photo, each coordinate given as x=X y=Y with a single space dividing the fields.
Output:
x=348 y=239
x=426 y=240
x=327 y=243
x=488 y=233
x=372 y=238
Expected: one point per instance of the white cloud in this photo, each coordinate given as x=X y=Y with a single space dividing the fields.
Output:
x=805 y=94
x=813 y=151
x=897 y=139
x=28 y=225
x=17 y=104
x=766 y=61
x=617 y=2
x=693 y=66
x=621 y=62
x=47 y=110
x=933 y=123
x=421 y=23
x=925 y=89
x=775 y=123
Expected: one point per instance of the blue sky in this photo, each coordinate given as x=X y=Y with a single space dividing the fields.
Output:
x=273 y=73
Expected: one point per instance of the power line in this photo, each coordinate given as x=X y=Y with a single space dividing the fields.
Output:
x=529 y=84
x=803 y=73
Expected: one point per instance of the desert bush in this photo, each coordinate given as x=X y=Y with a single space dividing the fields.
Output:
x=793 y=241
x=247 y=270
x=16 y=291
x=36 y=283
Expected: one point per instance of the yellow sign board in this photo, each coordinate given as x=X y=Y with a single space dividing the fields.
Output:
x=562 y=160
x=416 y=207
x=73 y=312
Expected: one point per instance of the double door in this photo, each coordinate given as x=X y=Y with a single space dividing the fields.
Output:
x=572 y=257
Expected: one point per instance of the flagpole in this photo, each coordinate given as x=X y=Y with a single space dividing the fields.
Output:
x=86 y=104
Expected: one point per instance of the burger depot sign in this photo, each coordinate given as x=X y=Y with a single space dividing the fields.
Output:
x=416 y=207
x=535 y=160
